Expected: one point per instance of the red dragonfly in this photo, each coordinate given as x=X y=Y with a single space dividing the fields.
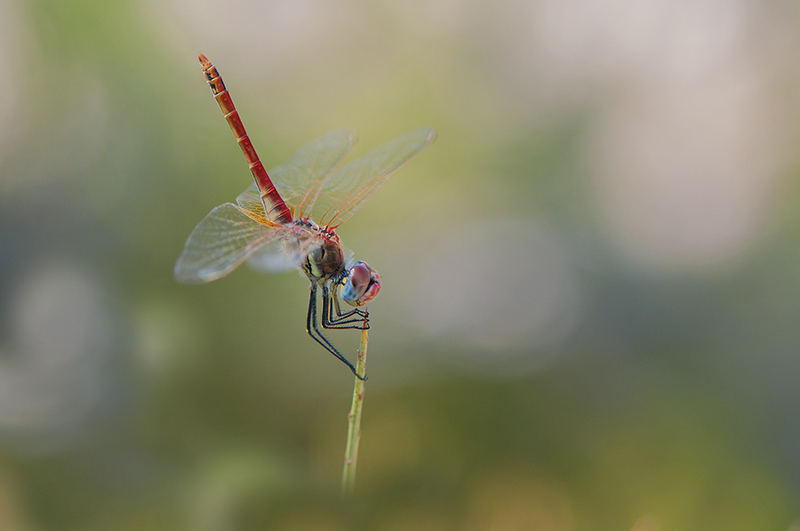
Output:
x=271 y=227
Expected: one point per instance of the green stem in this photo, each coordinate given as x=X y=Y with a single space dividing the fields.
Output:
x=354 y=420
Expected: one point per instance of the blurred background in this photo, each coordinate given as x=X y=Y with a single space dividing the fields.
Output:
x=590 y=314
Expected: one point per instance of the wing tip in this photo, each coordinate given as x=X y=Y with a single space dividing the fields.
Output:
x=351 y=135
x=182 y=276
x=431 y=134
x=195 y=277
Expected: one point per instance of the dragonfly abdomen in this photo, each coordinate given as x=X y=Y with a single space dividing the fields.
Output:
x=274 y=206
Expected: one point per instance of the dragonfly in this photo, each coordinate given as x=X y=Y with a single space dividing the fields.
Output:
x=272 y=224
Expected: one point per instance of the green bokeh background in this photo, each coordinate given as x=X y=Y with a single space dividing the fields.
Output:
x=590 y=304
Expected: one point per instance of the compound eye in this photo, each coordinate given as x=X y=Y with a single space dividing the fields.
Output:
x=372 y=290
x=361 y=285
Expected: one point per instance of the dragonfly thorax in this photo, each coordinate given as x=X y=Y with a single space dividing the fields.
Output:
x=325 y=262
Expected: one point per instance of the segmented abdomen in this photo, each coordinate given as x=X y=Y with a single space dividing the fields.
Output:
x=274 y=205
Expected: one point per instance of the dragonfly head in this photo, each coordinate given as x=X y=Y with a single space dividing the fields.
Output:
x=360 y=284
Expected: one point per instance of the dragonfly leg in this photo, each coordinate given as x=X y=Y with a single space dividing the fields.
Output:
x=341 y=321
x=316 y=335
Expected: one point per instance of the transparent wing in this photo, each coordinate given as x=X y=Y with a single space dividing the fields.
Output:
x=288 y=253
x=251 y=201
x=221 y=242
x=298 y=179
x=345 y=191
x=272 y=258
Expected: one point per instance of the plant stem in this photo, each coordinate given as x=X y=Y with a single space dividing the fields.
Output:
x=354 y=420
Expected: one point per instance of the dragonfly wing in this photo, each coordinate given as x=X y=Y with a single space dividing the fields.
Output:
x=221 y=242
x=250 y=200
x=278 y=258
x=345 y=191
x=298 y=179
x=271 y=258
